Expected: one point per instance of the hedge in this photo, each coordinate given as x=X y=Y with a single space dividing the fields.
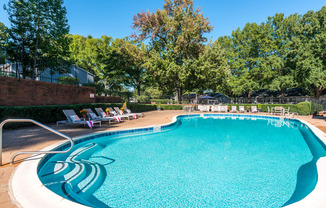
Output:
x=171 y=107
x=53 y=113
x=166 y=101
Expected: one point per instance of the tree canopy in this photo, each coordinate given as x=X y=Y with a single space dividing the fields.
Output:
x=176 y=40
x=38 y=34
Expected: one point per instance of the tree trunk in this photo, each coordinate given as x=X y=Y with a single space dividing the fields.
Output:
x=36 y=47
x=138 y=89
x=319 y=90
x=176 y=94
x=249 y=96
x=180 y=94
x=282 y=95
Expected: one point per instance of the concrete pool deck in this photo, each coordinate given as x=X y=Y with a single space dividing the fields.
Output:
x=35 y=138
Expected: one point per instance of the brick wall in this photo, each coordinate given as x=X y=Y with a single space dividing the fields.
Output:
x=104 y=99
x=14 y=92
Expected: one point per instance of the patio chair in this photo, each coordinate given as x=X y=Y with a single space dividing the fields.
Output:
x=73 y=119
x=268 y=110
x=279 y=110
x=234 y=109
x=224 y=108
x=286 y=111
x=91 y=115
x=242 y=109
x=215 y=108
x=122 y=114
x=254 y=109
x=102 y=114
x=138 y=114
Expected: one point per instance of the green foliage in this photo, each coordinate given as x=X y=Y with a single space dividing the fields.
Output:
x=171 y=107
x=154 y=92
x=278 y=54
x=163 y=101
x=68 y=80
x=53 y=113
x=4 y=37
x=38 y=35
x=143 y=99
x=176 y=37
x=304 y=108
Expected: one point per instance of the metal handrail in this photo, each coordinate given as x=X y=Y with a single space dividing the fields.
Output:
x=32 y=152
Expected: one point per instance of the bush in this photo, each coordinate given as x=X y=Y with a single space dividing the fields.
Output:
x=171 y=107
x=53 y=113
x=68 y=80
x=166 y=101
x=143 y=99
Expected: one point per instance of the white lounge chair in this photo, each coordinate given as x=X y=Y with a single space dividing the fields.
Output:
x=91 y=115
x=138 y=114
x=102 y=114
x=224 y=108
x=242 y=109
x=234 y=109
x=254 y=109
x=73 y=119
x=122 y=114
x=215 y=108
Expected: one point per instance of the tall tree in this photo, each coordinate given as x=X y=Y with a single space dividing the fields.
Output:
x=38 y=34
x=4 y=36
x=132 y=58
x=281 y=56
x=310 y=51
x=175 y=37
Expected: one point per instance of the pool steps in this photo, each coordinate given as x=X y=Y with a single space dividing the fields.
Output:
x=79 y=177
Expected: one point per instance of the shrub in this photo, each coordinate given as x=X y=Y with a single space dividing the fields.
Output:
x=68 y=80
x=171 y=107
x=143 y=99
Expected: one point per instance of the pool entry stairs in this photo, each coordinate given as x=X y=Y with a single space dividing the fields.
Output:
x=78 y=176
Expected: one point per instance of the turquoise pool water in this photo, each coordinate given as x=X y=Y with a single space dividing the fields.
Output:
x=200 y=162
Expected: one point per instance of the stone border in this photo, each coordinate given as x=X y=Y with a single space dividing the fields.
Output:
x=32 y=193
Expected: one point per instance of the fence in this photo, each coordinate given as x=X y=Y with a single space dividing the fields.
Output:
x=318 y=104
x=15 y=70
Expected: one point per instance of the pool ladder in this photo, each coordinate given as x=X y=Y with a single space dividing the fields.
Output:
x=33 y=152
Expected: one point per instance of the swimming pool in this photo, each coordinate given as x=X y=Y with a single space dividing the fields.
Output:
x=202 y=161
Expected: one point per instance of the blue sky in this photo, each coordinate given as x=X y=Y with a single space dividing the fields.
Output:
x=114 y=17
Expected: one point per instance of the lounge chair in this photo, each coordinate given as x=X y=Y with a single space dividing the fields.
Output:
x=122 y=114
x=241 y=109
x=224 y=108
x=102 y=114
x=91 y=115
x=234 y=109
x=254 y=109
x=73 y=119
x=215 y=108
x=138 y=114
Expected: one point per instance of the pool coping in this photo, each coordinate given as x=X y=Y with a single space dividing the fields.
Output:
x=32 y=193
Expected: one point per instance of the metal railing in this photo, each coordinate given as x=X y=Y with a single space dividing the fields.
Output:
x=32 y=152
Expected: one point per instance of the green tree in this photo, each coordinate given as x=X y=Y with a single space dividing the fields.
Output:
x=281 y=57
x=175 y=38
x=246 y=51
x=132 y=59
x=38 y=34
x=310 y=53
x=4 y=36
